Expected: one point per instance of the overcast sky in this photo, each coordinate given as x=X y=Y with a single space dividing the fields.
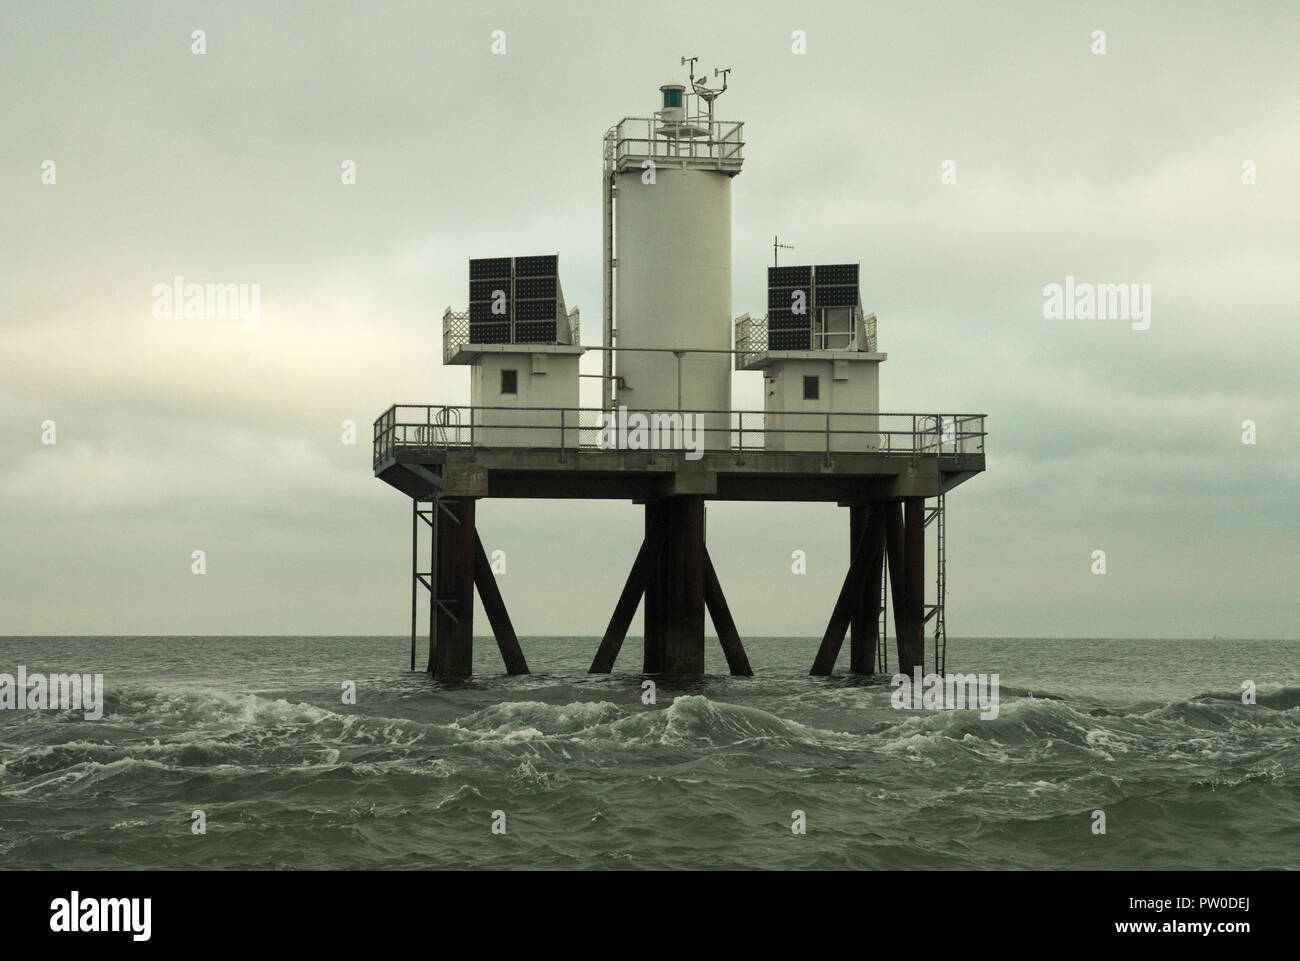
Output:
x=182 y=435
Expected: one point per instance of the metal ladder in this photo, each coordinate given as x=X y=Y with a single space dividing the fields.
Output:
x=882 y=634
x=936 y=610
x=609 y=193
x=428 y=579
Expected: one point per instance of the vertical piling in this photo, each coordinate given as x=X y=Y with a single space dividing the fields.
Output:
x=653 y=658
x=905 y=550
x=683 y=594
x=911 y=634
x=452 y=653
x=864 y=627
x=415 y=568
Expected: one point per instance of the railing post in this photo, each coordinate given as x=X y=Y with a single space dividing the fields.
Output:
x=828 y=438
x=561 y=435
x=740 y=453
x=471 y=433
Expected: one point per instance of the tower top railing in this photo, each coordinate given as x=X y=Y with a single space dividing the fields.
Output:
x=694 y=140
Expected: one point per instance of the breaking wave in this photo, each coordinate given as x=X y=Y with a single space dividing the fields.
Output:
x=283 y=771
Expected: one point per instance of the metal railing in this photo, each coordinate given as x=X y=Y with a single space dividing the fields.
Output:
x=695 y=139
x=751 y=339
x=752 y=336
x=455 y=331
x=424 y=429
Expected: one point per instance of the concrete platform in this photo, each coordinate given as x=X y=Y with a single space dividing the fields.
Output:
x=648 y=475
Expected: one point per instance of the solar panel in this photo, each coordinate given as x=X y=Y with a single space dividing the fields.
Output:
x=530 y=287
x=489 y=333
x=487 y=289
x=823 y=286
x=787 y=330
x=787 y=298
x=489 y=268
x=545 y=265
x=535 y=331
x=489 y=282
x=535 y=309
x=788 y=289
x=836 y=285
x=789 y=276
x=789 y=339
x=843 y=296
x=837 y=274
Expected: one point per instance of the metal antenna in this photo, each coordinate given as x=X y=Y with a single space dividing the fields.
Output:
x=691 y=61
x=776 y=244
x=723 y=74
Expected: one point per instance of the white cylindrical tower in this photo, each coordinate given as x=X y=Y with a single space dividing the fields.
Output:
x=671 y=179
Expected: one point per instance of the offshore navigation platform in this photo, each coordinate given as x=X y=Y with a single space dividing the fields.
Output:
x=665 y=435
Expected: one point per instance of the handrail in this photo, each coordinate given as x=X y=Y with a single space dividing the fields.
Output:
x=694 y=138
x=440 y=427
